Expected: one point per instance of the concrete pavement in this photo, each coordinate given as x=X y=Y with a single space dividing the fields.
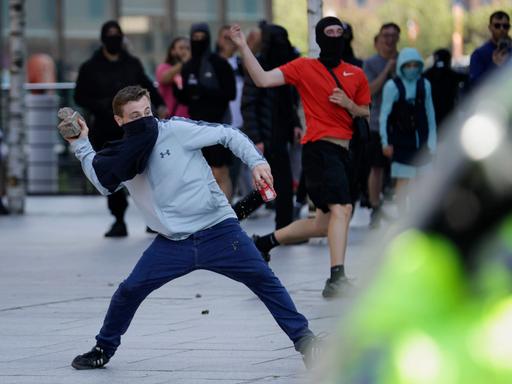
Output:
x=57 y=274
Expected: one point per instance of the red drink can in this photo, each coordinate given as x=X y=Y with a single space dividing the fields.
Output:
x=267 y=192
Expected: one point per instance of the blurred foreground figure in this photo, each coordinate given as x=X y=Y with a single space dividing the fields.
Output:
x=439 y=310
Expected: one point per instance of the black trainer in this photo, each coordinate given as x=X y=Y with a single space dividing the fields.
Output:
x=118 y=229
x=95 y=358
x=311 y=348
x=264 y=255
x=335 y=288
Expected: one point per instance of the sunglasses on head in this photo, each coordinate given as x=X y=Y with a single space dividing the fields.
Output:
x=505 y=26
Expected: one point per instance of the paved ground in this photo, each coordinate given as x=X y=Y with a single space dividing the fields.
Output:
x=57 y=274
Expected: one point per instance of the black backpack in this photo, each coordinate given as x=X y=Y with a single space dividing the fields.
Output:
x=407 y=122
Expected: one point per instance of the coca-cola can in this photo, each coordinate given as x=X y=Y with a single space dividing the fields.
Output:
x=267 y=192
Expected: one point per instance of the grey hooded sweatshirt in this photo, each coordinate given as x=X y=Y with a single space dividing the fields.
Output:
x=177 y=193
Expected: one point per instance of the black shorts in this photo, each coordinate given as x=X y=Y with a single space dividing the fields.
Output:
x=328 y=173
x=218 y=156
x=374 y=154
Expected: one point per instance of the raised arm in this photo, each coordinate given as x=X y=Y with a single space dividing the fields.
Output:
x=84 y=152
x=166 y=73
x=261 y=78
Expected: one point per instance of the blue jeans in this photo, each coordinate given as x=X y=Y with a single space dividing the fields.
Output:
x=223 y=248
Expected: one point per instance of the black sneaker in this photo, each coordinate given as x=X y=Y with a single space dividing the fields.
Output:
x=264 y=255
x=311 y=349
x=118 y=229
x=335 y=288
x=96 y=358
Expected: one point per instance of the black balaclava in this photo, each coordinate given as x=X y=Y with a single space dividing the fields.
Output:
x=331 y=48
x=276 y=49
x=199 y=48
x=113 y=44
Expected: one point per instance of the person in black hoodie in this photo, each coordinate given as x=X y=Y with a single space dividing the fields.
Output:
x=446 y=84
x=271 y=120
x=110 y=69
x=208 y=87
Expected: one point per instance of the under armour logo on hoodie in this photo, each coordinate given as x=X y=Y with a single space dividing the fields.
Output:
x=166 y=153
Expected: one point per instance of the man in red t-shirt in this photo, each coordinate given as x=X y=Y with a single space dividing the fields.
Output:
x=325 y=157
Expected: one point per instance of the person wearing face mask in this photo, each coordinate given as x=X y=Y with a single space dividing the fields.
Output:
x=110 y=69
x=227 y=50
x=325 y=157
x=208 y=87
x=408 y=122
x=271 y=119
x=161 y=165
x=446 y=83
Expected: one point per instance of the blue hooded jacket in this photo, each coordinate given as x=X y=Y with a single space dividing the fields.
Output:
x=390 y=95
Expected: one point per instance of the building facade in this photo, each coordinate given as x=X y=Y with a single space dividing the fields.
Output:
x=68 y=30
